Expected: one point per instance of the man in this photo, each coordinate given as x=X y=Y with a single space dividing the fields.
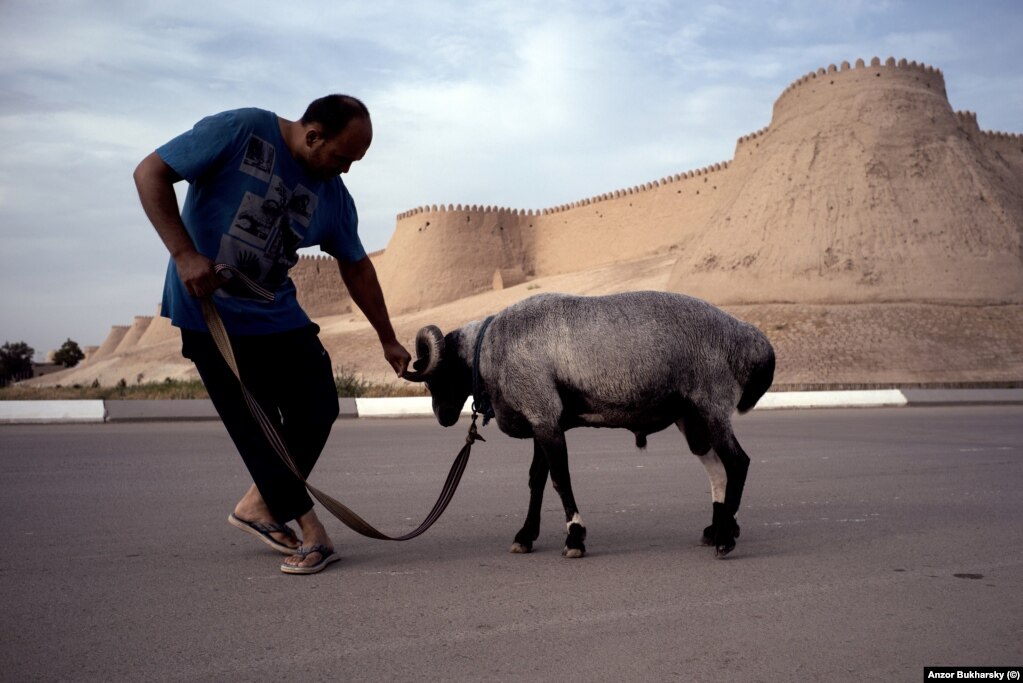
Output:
x=261 y=187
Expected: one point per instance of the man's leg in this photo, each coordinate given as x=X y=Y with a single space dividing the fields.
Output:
x=306 y=394
x=309 y=408
x=277 y=495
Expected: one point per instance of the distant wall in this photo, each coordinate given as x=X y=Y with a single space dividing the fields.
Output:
x=866 y=186
x=834 y=81
x=444 y=253
x=109 y=344
x=656 y=217
x=440 y=254
x=159 y=331
x=134 y=333
x=736 y=224
x=320 y=290
x=1003 y=149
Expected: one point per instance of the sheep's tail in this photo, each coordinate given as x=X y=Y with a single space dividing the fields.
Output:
x=759 y=380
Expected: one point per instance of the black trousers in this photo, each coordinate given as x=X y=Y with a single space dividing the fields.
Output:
x=291 y=377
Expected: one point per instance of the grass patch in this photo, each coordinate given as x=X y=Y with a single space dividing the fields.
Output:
x=167 y=389
x=349 y=385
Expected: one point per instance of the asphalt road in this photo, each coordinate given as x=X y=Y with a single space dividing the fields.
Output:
x=874 y=542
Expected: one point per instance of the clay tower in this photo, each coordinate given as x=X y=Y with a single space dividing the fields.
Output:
x=865 y=187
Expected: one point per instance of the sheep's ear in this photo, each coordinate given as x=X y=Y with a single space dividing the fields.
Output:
x=429 y=349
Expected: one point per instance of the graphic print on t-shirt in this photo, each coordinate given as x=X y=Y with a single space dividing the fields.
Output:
x=259 y=158
x=264 y=236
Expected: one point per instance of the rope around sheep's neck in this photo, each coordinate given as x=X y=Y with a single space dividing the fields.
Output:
x=480 y=398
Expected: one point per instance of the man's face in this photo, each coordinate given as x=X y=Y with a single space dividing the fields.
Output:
x=326 y=158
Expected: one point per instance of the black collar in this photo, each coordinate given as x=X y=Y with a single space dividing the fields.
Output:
x=480 y=398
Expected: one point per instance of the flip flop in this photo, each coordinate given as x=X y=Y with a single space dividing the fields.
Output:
x=262 y=531
x=327 y=556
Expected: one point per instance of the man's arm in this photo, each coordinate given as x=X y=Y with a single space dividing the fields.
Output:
x=360 y=278
x=155 y=180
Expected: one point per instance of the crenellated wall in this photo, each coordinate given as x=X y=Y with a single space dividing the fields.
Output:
x=111 y=343
x=865 y=187
x=652 y=218
x=158 y=331
x=802 y=97
x=837 y=195
x=320 y=290
x=1003 y=149
x=134 y=334
x=443 y=253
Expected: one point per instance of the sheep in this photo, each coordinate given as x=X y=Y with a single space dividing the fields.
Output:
x=638 y=360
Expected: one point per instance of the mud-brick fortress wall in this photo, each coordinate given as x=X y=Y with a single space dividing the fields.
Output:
x=1005 y=149
x=320 y=291
x=865 y=187
x=444 y=253
x=864 y=174
x=790 y=184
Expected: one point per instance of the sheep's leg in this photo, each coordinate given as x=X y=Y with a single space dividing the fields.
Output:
x=726 y=464
x=736 y=465
x=697 y=434
x=537 y=483
x=557 y=458
x=718 y=483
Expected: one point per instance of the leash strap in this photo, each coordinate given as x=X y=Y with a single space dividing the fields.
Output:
x=480 y=398
x=336 y=508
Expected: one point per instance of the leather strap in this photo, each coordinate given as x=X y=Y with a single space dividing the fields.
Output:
x=336 y=508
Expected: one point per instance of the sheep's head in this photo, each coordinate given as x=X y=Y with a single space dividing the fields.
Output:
x=446 y=376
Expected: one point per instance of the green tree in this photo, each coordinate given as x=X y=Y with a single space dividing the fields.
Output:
x=15 y=361
x=69 y=354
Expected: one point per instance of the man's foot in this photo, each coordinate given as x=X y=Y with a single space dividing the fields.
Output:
x=317 y=550
x=268 y=532
x=252 y=515
x=310 y=560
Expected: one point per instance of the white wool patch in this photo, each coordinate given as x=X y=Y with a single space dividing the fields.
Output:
x=717 y=475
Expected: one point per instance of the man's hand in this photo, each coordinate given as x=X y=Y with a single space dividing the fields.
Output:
x=397 y=356
x=197 y=274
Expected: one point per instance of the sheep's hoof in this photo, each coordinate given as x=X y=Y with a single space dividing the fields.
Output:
x=574 y=546
x=708 y=535
x=722 y=550
x=521 y=549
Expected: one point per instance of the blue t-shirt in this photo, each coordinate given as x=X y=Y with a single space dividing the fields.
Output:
x=251 y=205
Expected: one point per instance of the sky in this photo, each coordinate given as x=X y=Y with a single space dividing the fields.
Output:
x=521 y=104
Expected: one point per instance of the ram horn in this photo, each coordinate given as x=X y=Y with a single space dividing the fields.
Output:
x=429 y=349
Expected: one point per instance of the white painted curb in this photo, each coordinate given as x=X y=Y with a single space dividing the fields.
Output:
x=52 y=411
x=28 y=412
x=832 y=399
x=393 y=407
x=421 y=406
x=416 y=406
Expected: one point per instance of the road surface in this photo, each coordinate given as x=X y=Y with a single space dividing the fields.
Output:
x=874 y=542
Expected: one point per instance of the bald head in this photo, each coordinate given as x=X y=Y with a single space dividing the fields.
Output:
x=333 y=113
